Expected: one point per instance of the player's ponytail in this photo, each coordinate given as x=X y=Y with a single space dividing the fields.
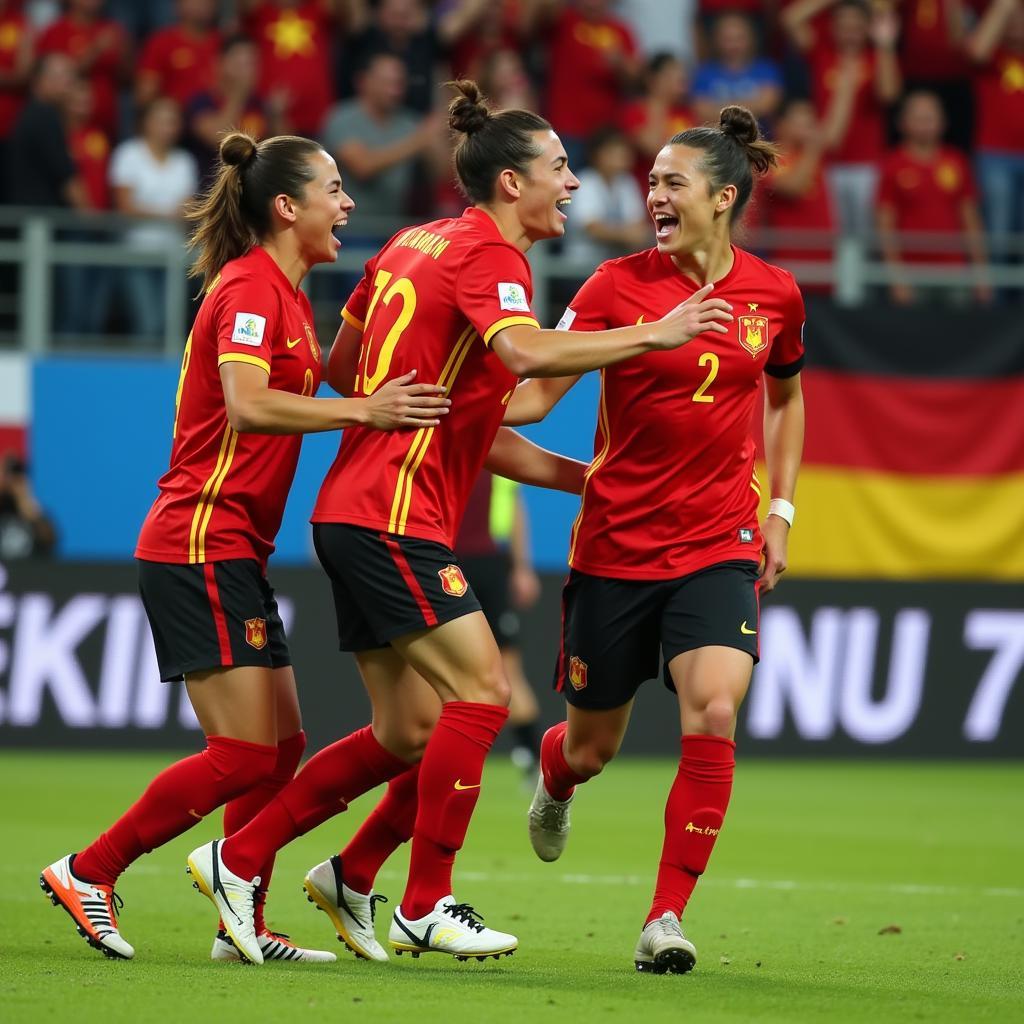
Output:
x=492 y=141
x=235 y=211
x=733 y=153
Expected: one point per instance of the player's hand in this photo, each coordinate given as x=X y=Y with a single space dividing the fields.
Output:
x=401 y=403
x=524 y=586
x=775 y=531
x=692 y=317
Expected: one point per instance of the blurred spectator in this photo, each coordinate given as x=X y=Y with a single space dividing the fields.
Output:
x=932 y=36
x=736 y=73
x=101 y=52
x=25 y=530
x=16 y=51
x=42 y=171
x=504 y=81
x=402 y=28
x=153 y=178
x=926 y=187
x=664 y=26
x=997 y=48
x=179 y=61
x=473 y=30
x=660 y=113
x=90 y=148
x=608 y=216
x=376 y=140
x=863 y=43
x=234 y=102
x=141 y=18
x=591 y=63
x=294 y=39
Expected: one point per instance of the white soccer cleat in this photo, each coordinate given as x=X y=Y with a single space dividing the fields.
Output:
x=233 y=897
x=93 y=908
x=454 y=928
x=274 y=946
x=663 y=947
x=351 y=913
x=549 y=823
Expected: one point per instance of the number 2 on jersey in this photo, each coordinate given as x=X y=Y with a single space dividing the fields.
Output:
x=707 y=359
x=385 y=289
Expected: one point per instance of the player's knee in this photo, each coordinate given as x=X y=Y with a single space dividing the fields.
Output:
x=589 y=759
x=719 y=717
x=238 y=765
x=406 y=739
x=489 y=686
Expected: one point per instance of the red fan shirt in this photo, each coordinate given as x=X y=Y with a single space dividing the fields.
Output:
x=430 y=300
x=91 y=152
x=928 y=195
x=811 y=211
x=13 y=29
x=224 y=494
x=672 y=487
x=295 y=57
x=864 y=141
x=584 y=91
x=634 y=120
x=999 y=103
x=929 y=50
x=180 y=62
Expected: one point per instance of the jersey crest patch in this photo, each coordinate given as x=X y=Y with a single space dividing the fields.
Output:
x=512 y=297
x=453 y=583
x=753 y=332
x=314 y=348
x=249 y=328
x=577 y=673
x=256 y=633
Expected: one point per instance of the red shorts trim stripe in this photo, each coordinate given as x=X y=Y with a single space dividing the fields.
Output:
x=219 y=621
x=429 y=618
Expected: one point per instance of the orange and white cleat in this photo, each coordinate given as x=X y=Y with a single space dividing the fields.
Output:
x=92 y=907
x=274 y=946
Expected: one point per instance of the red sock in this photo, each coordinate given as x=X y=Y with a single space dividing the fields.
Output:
x=389 y=825
x=693 y=818
x=244 y=808
x=174 y=801
x=328 y=782
x=559 y=779
x=449 y=785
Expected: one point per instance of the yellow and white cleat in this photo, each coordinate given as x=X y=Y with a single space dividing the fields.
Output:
x=453 y=928
x=232 y=896
x=352 y=913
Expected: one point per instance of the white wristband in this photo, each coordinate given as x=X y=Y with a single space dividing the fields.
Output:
x=782 y=508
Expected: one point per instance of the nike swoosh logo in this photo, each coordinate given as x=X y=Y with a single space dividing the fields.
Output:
x=192 y=811
x=460 y=786
x=641 y=320
x=747 y=632
x=292 y=344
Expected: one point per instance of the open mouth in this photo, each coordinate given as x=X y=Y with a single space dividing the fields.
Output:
x=664 y=225
x=562 y=206
x=335 y=228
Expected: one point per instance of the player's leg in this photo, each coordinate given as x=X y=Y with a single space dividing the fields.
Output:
x=405 y=709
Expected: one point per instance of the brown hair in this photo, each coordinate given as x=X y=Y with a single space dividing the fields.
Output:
x=234 y=212
x=733 y=153
x=491 y=141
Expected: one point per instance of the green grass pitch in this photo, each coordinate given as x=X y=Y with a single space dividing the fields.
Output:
x=870 y=892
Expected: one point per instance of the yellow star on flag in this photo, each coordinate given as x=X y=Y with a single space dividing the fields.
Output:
x=291 y=35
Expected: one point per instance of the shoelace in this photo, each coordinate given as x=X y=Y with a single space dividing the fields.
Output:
x=116 y=905
x=668 y=926
x=553 y=816
x=374 y=900
x=465 y=913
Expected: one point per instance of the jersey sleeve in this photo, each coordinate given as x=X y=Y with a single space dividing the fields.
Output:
x=354 y=310
x=786 y=358
x=494 y=289
x=247 y=319
x=591 y=307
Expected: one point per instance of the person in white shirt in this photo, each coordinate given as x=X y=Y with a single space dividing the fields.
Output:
x=153 y=179
x=608 y=217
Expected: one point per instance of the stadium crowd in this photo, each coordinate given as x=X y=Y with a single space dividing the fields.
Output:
x=900 y=120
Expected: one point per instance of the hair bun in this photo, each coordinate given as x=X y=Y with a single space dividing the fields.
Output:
x=468 y=112
x=740 y=124
x=237 y=149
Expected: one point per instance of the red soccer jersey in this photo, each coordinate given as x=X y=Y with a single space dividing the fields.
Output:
x=864 y=141
x=180 y=62
x=295 y=57
x=999 y=103
x=810 y=212
x=927 y=195
x=108 y=41
x=929 y=49
x=672 y=487
x=431 y=300
x=13 y=29
x=584 y=91
x=91 y=152
x=224 y=494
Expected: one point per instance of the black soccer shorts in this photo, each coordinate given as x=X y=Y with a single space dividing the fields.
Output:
x=215 y=615
x=612 y=629
x=386 y=585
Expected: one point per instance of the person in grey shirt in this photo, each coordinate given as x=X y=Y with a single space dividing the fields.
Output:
x=376 y=141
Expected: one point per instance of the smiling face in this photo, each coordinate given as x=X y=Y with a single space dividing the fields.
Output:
x=545 y=189
x=686 y=212
x=922 y=121
x=323 y=208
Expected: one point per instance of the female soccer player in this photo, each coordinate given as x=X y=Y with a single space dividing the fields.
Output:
x=453 y=298
x=250 y=369
x=667 y=546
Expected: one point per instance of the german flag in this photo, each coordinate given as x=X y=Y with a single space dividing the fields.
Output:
x=914 y=458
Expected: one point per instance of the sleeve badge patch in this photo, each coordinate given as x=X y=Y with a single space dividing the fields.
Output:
x=567 y=318
x=249 y=329
x=513 y=297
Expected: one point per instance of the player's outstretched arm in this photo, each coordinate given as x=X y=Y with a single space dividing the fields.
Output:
x=530 y=352
x=534 y=399
x=515 y=458
x=254 y=407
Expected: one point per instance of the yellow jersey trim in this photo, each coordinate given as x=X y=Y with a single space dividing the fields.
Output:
x=355 y=322
x=509 y=321
x=241 y=357
x=204 y=508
